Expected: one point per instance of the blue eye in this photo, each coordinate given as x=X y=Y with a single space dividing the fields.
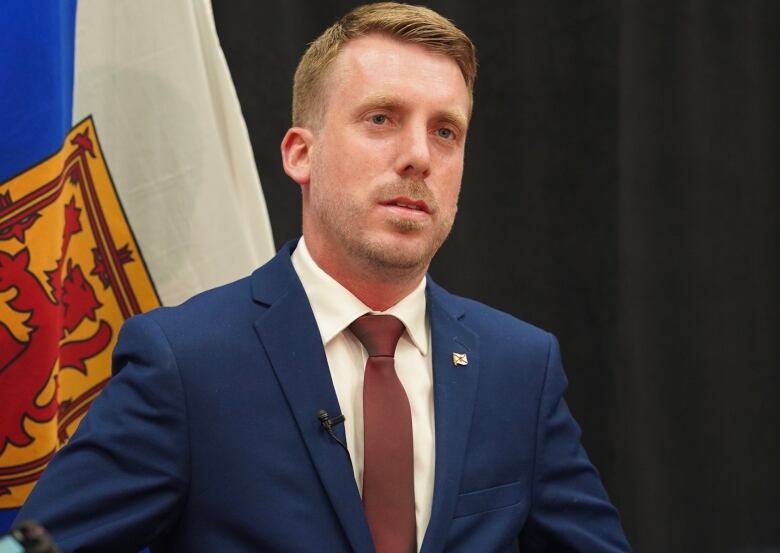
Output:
x=444 y=132
x=379 y=119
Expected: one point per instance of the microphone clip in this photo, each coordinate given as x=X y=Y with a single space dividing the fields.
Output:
x=327 y=422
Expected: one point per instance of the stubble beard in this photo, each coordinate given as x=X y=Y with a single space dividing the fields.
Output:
x=392 y=258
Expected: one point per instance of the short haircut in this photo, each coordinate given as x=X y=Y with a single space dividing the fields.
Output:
x=414 y=24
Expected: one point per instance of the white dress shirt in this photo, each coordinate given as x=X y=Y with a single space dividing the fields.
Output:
x=334 y=309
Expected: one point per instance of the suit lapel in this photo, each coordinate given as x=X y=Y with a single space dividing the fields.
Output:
x=454 y=390
x=289 y=335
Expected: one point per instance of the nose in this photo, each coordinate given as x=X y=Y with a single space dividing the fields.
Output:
x=414 y=154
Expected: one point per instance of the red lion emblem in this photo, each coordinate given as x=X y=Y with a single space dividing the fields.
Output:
x=70 y=273
x=26 y=367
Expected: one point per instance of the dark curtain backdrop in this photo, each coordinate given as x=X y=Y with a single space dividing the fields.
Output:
x=621 y=190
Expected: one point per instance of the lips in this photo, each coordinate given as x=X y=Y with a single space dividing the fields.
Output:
x=407 y=203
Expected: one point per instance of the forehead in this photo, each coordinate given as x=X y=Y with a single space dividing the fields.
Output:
x=377 y=64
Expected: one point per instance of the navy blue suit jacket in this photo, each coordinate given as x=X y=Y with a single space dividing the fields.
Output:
x=207 y=439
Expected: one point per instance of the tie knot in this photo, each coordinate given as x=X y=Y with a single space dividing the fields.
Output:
x=379 y=334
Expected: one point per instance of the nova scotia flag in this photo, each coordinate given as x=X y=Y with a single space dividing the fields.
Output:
x=127 y=181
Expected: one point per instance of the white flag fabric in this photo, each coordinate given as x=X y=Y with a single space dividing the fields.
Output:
x=155 y=80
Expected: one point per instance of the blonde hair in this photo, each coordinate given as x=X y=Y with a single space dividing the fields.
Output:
x=415 y=24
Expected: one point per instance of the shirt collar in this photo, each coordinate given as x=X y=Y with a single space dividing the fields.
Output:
x=335 y=307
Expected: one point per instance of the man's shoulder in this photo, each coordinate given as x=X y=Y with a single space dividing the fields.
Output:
x=508 y=345
x=488 y=322
x=211 y=305
x=216 y=316
x=241 y=299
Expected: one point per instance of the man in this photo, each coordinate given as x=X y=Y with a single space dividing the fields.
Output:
x=222 y=428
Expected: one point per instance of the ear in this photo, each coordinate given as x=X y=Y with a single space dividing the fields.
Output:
x=296 y=154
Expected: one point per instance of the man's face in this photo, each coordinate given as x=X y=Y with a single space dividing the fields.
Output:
x=387 y=159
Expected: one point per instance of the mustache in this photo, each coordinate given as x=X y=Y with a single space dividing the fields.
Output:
x=415 y=189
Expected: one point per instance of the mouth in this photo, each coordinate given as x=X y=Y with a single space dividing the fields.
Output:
x=404 y=203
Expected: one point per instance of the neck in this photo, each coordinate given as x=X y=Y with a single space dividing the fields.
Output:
x=379 y=296
x=378 y=287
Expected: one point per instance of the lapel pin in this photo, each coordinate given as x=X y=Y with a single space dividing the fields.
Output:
x=459 y=359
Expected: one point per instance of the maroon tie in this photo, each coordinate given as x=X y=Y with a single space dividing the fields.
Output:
x=388 y=458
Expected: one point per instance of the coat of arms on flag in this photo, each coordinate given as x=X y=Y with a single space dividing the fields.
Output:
x=70 y=273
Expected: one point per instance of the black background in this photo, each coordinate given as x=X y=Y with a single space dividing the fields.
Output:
x=620 y=190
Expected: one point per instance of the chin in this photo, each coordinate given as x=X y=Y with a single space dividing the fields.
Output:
x=399 y=261
x=398 y=253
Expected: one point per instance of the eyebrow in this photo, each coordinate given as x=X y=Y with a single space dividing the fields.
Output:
x=390 y=103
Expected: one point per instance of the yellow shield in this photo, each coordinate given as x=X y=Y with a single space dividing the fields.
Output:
x=70 y=273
